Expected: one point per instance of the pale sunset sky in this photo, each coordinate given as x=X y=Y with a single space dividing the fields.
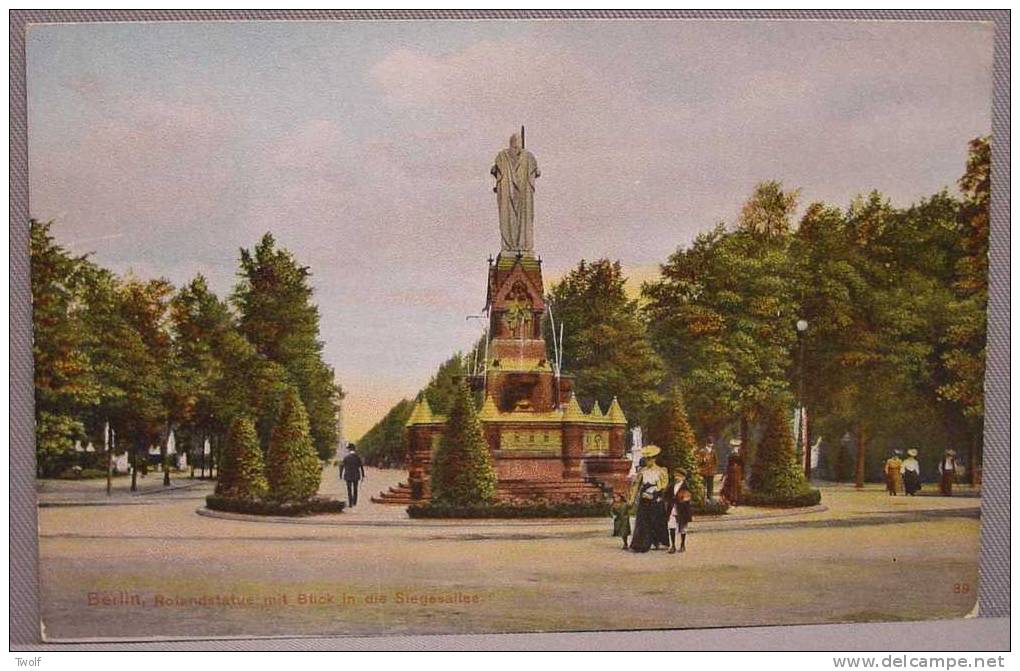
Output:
x=365 y=148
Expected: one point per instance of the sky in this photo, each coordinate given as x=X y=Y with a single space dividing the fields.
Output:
x=365 y=147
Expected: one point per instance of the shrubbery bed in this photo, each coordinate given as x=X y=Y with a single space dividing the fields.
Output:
x=508 y=511
x=82 y=474
x=811 y=497
x=715 y=507
x=314 y=506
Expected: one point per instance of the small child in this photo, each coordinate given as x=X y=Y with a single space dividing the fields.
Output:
x=680 y=511
x=620 y=511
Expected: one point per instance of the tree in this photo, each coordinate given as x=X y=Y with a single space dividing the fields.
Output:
x=66 y=385
x=722 y=315
x=385 y=444
x=963 y=358
x=462 y=469
x=199 y=321
x=274 y=298
x=145 y=353
x=242 y=471
x=767 y=213
x=445 y=383
x=605 y=343
x=776 y=471
x=672 y=432
x=293 y=468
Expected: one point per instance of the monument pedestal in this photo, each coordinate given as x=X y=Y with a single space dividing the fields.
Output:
x=545 y=447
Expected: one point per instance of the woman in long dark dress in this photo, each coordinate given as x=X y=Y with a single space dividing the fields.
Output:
x=911 y=473
x=733 y=482
x=648 y=494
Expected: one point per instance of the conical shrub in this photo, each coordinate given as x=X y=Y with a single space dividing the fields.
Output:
x=292 y=467
x=776 y=471
x=462 y=469
x=671 y=431
x=242 y=471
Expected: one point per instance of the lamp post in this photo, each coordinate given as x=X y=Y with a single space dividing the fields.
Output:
x=802 y=327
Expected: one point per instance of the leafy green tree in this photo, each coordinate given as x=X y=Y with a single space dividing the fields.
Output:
x=445 y=384
x=767 y=214
x=462 y=468
x=963 y=357
x=385 y=443
x=672 y=432
x=274 y=298
x=722 y=314
x=605 y=344
x=776 y=471
x=66 y=385
x=199 y=322
x=242 y=471
x=145 y=353
x=292 y=465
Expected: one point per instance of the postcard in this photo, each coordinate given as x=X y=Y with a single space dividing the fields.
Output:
x=499 y=326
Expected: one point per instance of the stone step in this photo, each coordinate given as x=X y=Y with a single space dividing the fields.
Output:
x=514 y=489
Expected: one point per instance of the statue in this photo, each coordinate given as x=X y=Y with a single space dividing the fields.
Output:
x=515 y=171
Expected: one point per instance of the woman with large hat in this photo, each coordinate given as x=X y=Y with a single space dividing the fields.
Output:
x=911 y=473
x=947 y=469
x=647 y=495
x=733 y=481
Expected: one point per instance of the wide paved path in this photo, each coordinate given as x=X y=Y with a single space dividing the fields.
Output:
x=150 y=566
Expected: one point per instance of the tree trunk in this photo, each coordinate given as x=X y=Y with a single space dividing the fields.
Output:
x=974 y=455
x=109 y=458
x=806 y=440
x=164 y=454
x=861 y=446
x=745 y=444
x=133 y=458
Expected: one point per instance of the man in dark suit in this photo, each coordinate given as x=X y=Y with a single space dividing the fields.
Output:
x=352 y=470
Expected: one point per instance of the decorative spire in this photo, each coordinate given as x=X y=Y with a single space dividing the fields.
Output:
x=573 y=412
x=596 y=410
x=422 y=413
x=489 y=409
x=615 y=413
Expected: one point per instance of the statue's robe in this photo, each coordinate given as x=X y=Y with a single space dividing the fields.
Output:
x=515 y=191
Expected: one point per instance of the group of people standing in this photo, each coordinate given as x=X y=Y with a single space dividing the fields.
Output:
x=905 y=474
x=662 y=507
x=661 y=502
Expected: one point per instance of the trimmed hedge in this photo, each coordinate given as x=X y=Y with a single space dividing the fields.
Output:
x=83 y=474
x=313 y=506
x=715 y=507
x=811 y=497
x=507 y=511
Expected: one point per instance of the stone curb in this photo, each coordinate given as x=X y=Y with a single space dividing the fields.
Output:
x=709 y=522
x=119 y=499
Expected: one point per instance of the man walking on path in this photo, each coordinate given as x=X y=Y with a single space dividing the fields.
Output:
x=352 y=470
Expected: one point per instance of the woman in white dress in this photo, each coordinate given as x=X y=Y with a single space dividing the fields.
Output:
x=911 y=473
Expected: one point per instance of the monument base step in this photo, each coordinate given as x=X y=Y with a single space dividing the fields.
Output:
x=512 y=491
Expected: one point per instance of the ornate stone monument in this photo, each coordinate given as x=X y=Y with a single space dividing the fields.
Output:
x=545 y=445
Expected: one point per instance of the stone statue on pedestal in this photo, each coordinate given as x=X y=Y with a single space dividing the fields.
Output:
x=515 y=171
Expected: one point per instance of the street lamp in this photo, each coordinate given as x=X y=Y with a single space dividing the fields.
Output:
x=802 y=327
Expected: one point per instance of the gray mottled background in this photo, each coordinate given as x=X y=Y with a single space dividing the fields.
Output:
x=990 y=631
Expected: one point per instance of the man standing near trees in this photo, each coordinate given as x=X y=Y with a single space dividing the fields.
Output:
x=707 y=465
x=352 y=470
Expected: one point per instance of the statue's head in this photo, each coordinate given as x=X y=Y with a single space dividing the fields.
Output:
x=515 y=142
